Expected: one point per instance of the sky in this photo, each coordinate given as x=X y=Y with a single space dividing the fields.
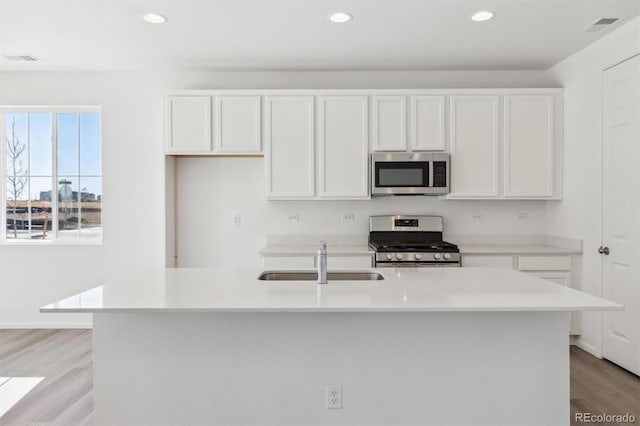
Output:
x=79 y=149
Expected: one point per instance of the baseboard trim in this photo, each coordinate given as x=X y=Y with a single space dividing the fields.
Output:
x=588 y=348
x=17 y=325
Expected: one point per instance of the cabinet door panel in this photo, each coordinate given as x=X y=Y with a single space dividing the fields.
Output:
x=528 y=146
x=343 y=147
x=189 y=124
x=474 y=146
x=389 y=123
x=427 y=123
x=349 y=262
x=486 y=261
x=238 y=123
x=575 y=323
x=289 y=262
x=290 y=147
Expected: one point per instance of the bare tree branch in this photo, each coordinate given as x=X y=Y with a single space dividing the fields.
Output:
x=17 y=179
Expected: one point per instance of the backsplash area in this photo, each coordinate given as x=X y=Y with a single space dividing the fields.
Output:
x=223 y=217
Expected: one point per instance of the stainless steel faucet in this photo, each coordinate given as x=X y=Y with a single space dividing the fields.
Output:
x=321 y=263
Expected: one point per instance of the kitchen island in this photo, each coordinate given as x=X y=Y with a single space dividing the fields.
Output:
x=441 y=346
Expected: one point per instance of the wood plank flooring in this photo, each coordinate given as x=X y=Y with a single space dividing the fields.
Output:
x=63 y=358
x=64 y=396
x=601 y=387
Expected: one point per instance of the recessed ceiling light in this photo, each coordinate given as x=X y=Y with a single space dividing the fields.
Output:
x=340 y=17
x=154 y=18
x=481 y=16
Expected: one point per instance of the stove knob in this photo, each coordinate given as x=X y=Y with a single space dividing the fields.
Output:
x=418 y=256
x=447 y=256
x=389 y=257
x=437 y=256
x=399 y=256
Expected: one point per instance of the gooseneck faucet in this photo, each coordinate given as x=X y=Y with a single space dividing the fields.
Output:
x=321 y=263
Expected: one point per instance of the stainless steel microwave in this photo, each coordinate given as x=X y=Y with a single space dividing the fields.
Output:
x=416 y=173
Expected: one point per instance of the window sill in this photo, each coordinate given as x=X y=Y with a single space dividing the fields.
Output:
x=50 y=243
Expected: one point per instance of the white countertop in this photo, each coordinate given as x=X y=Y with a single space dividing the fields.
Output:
x=311 y=249
x=510 y=249
x=402 y=290
x=363 y=249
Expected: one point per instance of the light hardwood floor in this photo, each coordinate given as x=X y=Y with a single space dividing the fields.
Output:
x=64 y=396
x=63 y=358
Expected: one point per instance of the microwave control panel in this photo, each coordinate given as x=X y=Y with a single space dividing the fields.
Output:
x=439 y=174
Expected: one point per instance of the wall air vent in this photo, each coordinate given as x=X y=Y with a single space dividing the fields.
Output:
x=25 y=58
x=600 y=24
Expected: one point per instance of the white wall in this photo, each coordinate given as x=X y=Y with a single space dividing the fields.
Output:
x=224 y=187
x=133 y=183
x=578 y=215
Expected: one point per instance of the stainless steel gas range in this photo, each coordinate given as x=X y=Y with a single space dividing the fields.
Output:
x=410 y=241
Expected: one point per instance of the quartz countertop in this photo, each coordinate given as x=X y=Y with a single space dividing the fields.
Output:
x=402 y=290
x=363 y=249
x=310 y=250
x=514 y=249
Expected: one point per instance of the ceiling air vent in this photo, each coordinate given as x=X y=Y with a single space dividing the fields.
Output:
x=600 y=24
x=26 y=58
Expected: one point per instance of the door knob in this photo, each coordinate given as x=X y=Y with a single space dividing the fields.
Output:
x=604 y=250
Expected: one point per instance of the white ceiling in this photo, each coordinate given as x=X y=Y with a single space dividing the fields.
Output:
x=296 y=34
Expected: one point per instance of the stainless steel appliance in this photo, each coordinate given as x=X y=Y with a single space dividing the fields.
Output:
x=410 y=241
x=416 y=173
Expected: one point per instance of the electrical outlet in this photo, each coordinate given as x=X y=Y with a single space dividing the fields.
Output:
x=334 y=396
x=348 y=217
x=522 y=217
x=236 y=220
x=292 y=217
x=476 y=217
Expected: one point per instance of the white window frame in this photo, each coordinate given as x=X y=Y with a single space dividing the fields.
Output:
x=80 y=109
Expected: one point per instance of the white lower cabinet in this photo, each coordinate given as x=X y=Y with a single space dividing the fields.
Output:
x=288 y=262
x=553 y=268
x=487 y=261
x=556 y=268
x=351 y=262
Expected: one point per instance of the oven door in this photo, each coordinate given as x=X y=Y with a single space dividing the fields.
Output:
x=417 y=265
x=400 y=177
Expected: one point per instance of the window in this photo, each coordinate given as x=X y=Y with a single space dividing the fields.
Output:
x=52 y=185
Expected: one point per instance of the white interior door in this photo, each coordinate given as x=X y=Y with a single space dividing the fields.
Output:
x=621 y=213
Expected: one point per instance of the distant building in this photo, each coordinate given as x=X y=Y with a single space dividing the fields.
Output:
x=85 y=196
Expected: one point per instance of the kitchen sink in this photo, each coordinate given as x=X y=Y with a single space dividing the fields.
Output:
x=313 y=276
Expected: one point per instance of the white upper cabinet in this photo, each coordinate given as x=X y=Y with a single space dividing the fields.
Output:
x=188 y=124
x=290 y=147
x=427 y=123
x=343 y=147
x=389 y=123
x=237 y=124
x=528 y=146
x=474 y=146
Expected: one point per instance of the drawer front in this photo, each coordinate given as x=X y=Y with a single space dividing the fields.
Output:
x=487 y=261
x=349 y=262
x=288 y=262
x=544 y=263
